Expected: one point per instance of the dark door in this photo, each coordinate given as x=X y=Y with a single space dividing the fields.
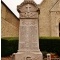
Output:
x=59 y=29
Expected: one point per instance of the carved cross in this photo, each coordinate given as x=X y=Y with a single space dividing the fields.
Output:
x=28 y=8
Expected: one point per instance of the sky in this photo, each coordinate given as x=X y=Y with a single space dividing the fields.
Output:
x=12 y=4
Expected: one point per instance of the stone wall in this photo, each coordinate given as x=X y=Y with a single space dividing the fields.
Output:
x=9 y=23
x=55 y=19
x=45 y=17
x=49 y=20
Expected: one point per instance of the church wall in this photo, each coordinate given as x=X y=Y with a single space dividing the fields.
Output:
x=44 y=17
x=48 y=21
x=55 y=20
x=9 y=23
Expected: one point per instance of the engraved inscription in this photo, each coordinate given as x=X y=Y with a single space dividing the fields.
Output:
x=23 y=32
x=29 y=22
x=33 y=33
x=29 y=33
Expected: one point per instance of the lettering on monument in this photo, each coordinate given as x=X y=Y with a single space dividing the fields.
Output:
x=29 y=33
x=28 y=22
x=33 y=33
x=23 y=33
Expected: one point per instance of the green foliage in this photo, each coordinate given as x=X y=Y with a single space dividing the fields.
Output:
x=53 y=38
x=8 y=47
x=50 y=45
x=10 y=38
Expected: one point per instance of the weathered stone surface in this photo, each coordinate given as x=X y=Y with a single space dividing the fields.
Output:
x=29 y=56
x=9 y=23
x=48 y=18
x=55 y=19
x=28 y=33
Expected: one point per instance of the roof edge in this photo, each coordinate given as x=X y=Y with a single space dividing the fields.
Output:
x=9 y=9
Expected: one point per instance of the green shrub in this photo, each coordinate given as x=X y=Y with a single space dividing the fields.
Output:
x=51 y=38
x=10 y=38
x=50 y=45
x=8 y=47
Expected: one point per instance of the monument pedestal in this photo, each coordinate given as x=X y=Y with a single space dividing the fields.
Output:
x=28 y=56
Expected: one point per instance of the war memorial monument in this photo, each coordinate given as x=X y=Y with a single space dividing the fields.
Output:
x=28 y=48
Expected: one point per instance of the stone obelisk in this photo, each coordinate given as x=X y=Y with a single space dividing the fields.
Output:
x=28 y=32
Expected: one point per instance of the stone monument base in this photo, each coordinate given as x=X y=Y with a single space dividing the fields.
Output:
x=28 y=56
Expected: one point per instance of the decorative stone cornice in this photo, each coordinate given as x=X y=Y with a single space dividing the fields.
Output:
x=27 y=2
